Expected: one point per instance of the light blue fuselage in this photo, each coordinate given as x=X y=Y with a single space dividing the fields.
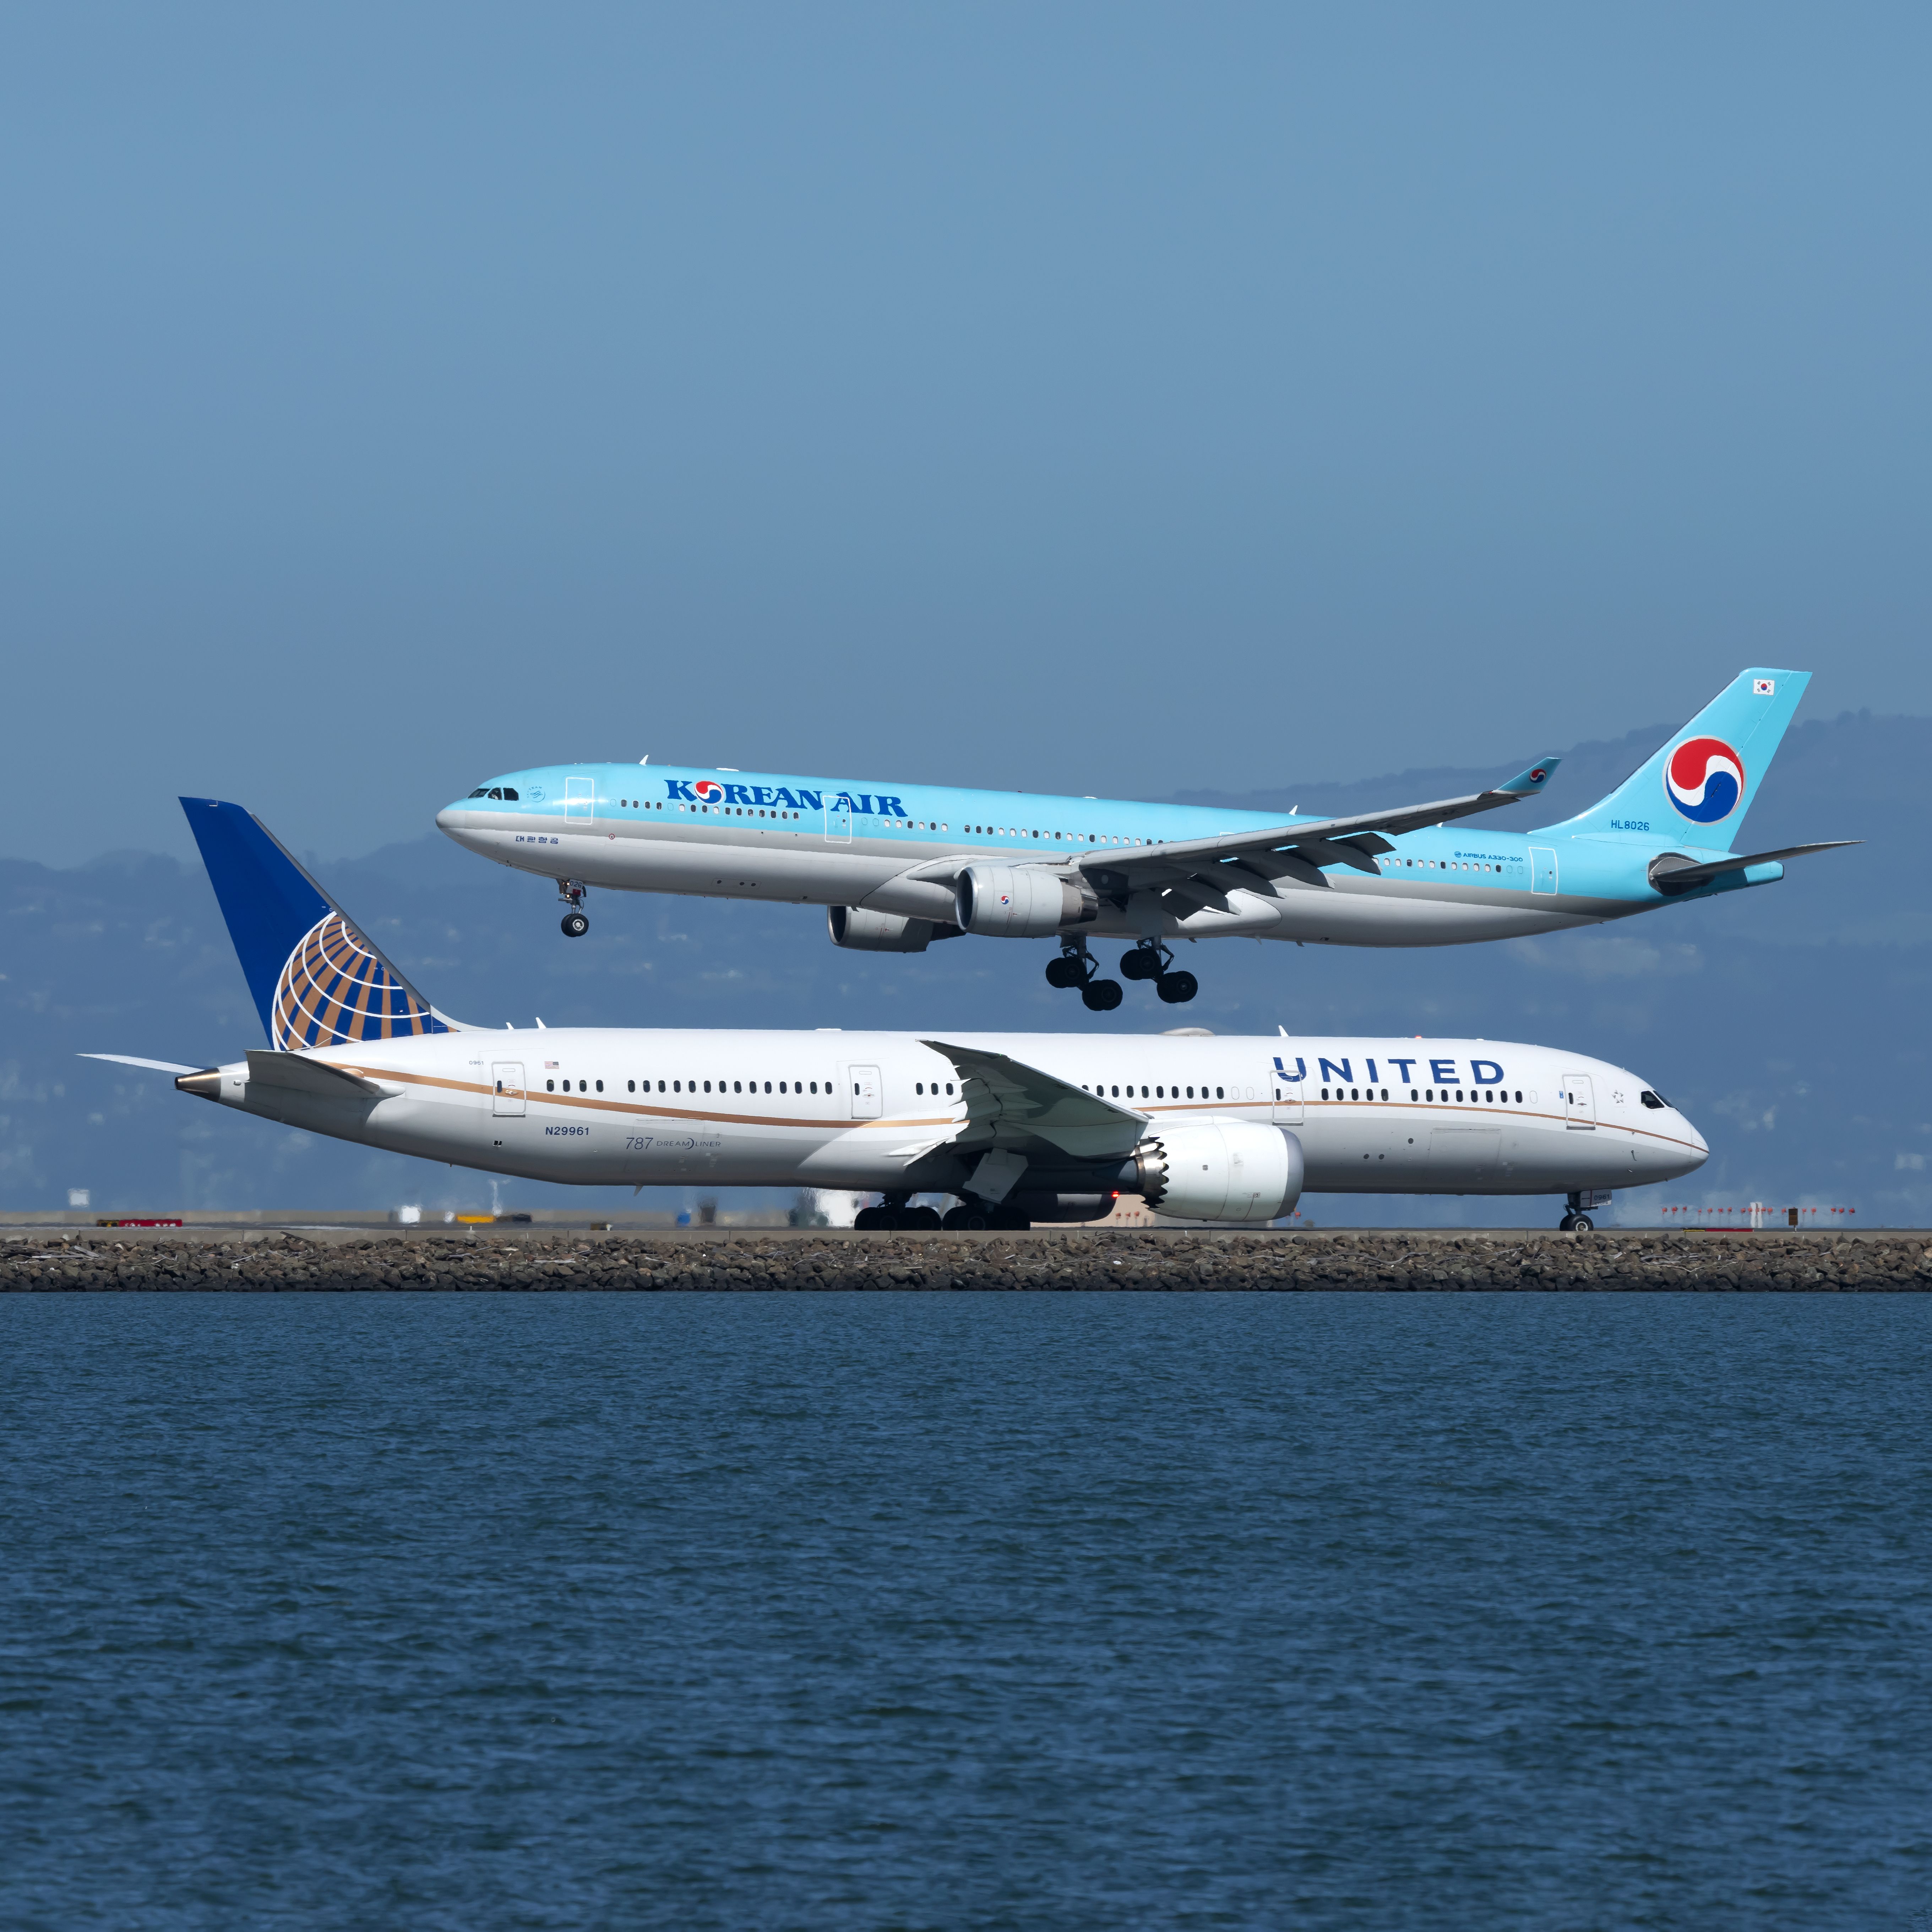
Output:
x=853 y=843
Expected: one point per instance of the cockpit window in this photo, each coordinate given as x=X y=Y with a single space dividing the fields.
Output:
x=482 y=791
x=495 y=791
x=1650 y=1099
x=509 y=792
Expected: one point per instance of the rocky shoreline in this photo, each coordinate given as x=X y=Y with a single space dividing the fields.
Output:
x=177 y=1261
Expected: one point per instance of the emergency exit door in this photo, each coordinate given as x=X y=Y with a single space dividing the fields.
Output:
x=506 y=1079
x=863 y=1082
x=1284 y=1082
x=1542 y=868
x=1580 y=1102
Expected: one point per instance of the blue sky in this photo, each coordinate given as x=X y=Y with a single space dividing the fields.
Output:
x=1103 y=399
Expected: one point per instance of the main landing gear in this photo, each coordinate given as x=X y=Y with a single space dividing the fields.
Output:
x=893 y=1215
x=572 y=891
x=1150 y=960
x=1076 y=966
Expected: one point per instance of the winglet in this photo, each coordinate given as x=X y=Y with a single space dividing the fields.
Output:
x=1527 y=784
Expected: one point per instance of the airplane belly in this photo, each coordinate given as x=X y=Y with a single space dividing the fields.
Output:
x=1370 y=915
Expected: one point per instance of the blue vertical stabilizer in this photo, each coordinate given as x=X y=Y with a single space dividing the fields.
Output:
x=316 y=980
x=1699 y=785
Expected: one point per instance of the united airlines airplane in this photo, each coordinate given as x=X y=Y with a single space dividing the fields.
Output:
x=1019 y=1127
x=899 y=866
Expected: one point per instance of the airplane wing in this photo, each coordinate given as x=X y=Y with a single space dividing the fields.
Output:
x=1204 y=871
x=1013 y=1108
x=1671 y=873
x=1254 y=860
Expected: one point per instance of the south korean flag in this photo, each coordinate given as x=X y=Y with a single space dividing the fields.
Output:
x=1764 y=687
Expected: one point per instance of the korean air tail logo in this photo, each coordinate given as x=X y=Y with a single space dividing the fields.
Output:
x=1705 y=779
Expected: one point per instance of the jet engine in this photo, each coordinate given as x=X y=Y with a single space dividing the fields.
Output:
x=1021 y=901
x=1217 y=1171
x=862 y=932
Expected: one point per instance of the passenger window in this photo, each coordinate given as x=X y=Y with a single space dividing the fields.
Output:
x=600 y=1086
x=1353 y=1095
x=948 y=1086
x=550 y=1086
x=1218 y=1094
x=1519 y=1096
x=737 y=1086
x=1325 y=1093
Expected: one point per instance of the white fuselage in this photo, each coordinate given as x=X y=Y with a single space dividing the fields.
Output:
x=613 y=1106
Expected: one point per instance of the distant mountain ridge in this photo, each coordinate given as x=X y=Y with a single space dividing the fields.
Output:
x=1789 y=1020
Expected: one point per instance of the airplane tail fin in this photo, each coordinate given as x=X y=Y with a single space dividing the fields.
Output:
x=1701 y=783
x=316 y=979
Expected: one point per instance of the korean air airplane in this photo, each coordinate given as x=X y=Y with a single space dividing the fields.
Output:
x=898 y=866
x=1019 y=1127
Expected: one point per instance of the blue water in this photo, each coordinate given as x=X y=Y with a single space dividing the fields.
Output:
x=848 y=1611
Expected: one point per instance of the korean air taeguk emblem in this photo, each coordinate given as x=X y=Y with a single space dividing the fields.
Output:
x=1705 y=779
x=710 y=789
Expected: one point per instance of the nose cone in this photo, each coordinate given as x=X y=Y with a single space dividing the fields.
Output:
x=461 y=822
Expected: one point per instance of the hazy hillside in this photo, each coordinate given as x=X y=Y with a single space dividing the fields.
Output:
x=1790 y=1020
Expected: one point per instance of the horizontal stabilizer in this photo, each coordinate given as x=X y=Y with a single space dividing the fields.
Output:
x=1013 y=1106
x=302 y=1074
x=152 y=1066
x=1671 y=872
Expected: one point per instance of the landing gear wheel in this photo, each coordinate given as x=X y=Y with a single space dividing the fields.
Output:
x=1581 y=1224
x=969 y=1216
x=1102 y=996
x=1067 y=970
x=1010 y=1219
x=575 y=926
x=1144 y=962
x=923 y=1220
x=867 y=1220
x=1176 y=988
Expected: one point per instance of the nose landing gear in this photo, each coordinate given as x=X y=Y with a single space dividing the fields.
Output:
x=572 y=891
x=1076 y=966
x=1576 y=1210
x=1150 y=960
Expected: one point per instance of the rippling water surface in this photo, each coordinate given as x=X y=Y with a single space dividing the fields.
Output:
x=471 y=1612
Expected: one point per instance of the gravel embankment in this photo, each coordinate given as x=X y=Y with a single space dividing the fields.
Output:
x=178 y=1260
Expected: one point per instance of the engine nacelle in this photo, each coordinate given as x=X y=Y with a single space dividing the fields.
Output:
x=1217 y=1171
x=1021 y=901
x=860 y=931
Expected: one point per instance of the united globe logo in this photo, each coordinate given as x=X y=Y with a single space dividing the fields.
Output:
x=335 y=989
x=1705 y=779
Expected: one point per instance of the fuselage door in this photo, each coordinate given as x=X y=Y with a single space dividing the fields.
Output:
x=579 y=800
x=864 y=1082
x=1542 y=868
x=838 y=819
x=1579 y=1103
x=506 y=1079
x=1284 y=1082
